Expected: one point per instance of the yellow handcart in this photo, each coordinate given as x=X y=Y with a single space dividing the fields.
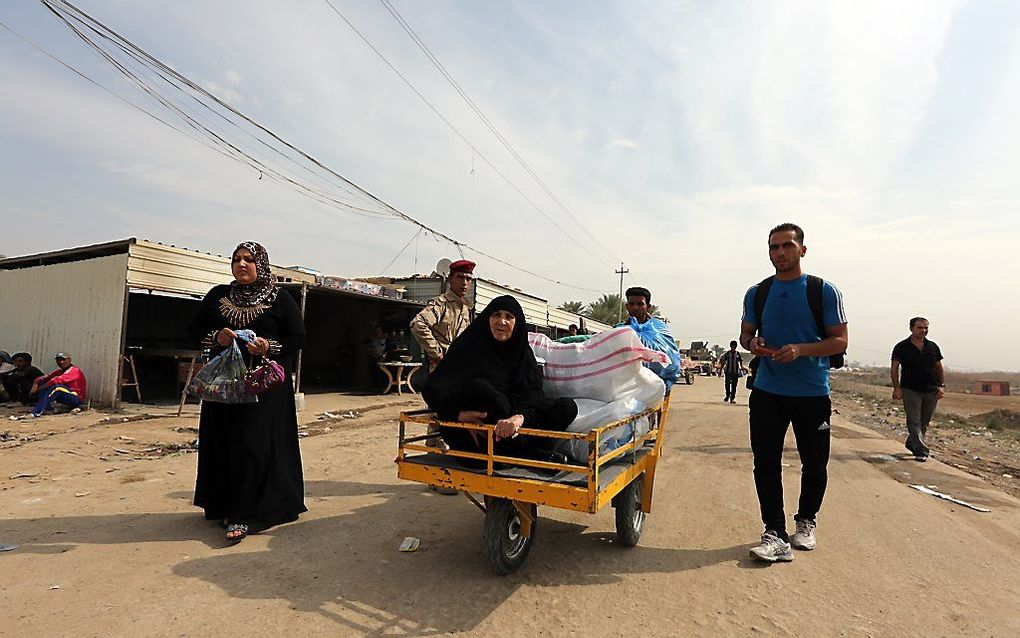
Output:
x=512 y=488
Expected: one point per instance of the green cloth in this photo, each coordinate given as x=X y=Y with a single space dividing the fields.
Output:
x=574 y=339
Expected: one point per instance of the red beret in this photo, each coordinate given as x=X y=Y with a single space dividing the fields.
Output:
x=462 y=265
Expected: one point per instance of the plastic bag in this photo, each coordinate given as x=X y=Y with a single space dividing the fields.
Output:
x=606 y=368
x=222 y=379
x=592 y=414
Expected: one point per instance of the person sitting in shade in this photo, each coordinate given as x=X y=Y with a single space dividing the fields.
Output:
x=64 y=385
x=17 y=381
x=654 y=334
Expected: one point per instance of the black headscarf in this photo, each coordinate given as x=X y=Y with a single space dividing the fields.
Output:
x=263 y=290
x=509 y=366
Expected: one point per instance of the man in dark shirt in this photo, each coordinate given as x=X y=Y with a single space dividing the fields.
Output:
x=18 y=382
x=920 y=385
x=731 y=364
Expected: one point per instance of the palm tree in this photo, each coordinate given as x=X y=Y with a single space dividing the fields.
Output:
x=606 y=309
x=573 y=307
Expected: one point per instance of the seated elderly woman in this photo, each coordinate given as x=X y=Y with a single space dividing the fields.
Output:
x=490 y=375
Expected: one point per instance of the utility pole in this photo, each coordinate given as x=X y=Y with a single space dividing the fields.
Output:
x=622 y=271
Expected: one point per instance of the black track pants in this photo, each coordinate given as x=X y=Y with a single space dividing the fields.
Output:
x=770 y=415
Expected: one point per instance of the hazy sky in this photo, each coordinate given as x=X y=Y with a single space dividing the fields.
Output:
x=680 y=132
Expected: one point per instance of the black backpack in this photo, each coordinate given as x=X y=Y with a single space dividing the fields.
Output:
x=814 y=299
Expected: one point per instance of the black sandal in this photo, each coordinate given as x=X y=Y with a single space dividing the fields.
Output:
x=233 y=528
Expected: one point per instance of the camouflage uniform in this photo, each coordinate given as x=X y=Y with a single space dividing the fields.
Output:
x=442 y=320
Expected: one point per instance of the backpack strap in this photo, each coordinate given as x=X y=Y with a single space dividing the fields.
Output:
x=814 y=300
x=761 y=295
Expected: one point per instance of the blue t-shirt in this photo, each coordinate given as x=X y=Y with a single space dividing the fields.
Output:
x=787 y=319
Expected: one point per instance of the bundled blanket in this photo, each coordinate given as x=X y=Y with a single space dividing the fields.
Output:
x=607 y=378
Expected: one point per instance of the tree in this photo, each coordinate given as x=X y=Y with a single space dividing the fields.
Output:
x=607 y=309
x=717 y=350
x=574 y=307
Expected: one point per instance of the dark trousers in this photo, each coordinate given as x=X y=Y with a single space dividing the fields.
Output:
x=919 y=407
x=481 y=396
x=731 y=385
x=770 y=415
x=18 y=388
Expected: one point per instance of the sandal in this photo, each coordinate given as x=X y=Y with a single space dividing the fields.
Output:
x=237 y=528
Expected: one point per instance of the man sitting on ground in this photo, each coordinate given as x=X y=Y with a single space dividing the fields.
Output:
x=64 y=385
x=654 y=334
x=17 y=382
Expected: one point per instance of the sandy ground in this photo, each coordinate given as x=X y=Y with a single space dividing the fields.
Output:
x=113 y=547
x=958 y=435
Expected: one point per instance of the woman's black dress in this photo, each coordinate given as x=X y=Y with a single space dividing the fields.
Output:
x=501 y=379
x=249 y=461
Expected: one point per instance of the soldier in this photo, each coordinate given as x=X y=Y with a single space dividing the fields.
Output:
x=442 y=320
x=446 y=316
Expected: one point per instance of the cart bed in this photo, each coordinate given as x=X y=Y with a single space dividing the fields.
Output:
x=606 y=474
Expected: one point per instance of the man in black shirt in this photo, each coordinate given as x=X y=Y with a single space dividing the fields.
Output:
x=921 y=384
x=17 y=383
x=731 y=364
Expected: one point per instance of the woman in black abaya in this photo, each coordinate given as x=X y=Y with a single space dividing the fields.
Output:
x=489 y=375
x=249 y=462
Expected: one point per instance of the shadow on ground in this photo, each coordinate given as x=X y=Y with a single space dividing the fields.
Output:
x=347 y=567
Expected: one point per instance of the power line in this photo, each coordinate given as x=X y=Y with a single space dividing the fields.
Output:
x=401 y=252
x=72 y=16
x=123 y=99
x=488 y=123
x=462 y=137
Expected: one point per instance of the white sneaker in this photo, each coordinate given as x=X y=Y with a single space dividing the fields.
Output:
x=772 y=549
x=804 y=537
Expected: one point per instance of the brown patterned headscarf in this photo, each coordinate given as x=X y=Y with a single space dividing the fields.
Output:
x=263 y=290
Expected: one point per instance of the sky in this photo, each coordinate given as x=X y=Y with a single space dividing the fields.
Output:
x=679 y=133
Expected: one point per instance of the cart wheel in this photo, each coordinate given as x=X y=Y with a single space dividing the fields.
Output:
x=629 y=517
x=506 y=546
x=688 y=378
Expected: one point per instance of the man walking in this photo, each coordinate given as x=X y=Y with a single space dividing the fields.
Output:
x=654 y=333
x=794 y=323
x=920 y=385
x=732 y=364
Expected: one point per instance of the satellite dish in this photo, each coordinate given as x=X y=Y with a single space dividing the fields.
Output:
x=443 y=268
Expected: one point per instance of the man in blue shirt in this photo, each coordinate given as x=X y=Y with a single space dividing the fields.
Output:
x=654 y=334
x=790 y=386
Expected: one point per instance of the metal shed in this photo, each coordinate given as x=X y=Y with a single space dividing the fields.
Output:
x=87 y=301
x=537 y=310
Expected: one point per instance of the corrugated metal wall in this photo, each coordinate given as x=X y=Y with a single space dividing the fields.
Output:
x=77 y=307
x=170 y=269
x=155 y=266
x=420 y=288
x=535 y=308
x=563 y=319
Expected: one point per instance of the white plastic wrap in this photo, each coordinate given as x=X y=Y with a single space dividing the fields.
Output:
x=608 y=367
x=606 y=377
x=592 y=414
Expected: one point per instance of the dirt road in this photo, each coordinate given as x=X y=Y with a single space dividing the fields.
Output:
x=114 y=548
